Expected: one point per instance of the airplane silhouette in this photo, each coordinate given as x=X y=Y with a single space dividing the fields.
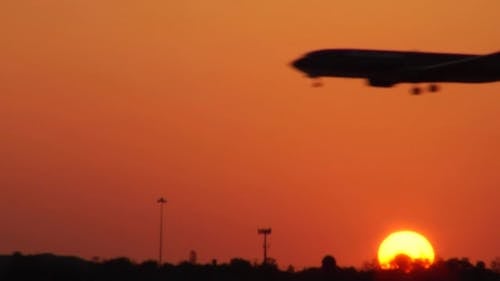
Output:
x=388 y=68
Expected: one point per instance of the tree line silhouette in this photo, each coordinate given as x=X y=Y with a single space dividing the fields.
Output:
x=54 y=268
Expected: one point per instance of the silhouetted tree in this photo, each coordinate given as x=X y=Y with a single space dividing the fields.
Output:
x=402 y=262
x=47 y=267
x=370 y=265
x=329 y=264
x=495 y=265
x=240 y=265
x=193 y=257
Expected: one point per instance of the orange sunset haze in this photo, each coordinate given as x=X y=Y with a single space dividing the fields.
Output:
x=105 y=106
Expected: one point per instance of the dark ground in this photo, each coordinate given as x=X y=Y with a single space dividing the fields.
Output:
x=51 y=267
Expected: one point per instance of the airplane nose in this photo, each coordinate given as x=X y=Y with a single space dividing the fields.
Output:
x=298 y=63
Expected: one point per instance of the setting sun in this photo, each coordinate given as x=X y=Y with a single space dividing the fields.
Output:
x=402 y=248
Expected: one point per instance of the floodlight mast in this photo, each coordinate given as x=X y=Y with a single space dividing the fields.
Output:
x=265 y=232
x=162 y=201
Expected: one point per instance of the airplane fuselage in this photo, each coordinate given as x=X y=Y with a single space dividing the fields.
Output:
x=386 y=68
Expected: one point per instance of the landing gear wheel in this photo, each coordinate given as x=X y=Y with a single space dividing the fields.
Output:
x=416 y=91
x=433 y=88
x=317 y=84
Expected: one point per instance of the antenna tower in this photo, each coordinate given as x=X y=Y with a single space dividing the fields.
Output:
x=265 y=232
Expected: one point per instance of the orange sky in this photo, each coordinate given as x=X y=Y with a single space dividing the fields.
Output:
x=106 y=105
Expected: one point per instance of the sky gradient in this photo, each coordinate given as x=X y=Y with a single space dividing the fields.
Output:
x=107 y=105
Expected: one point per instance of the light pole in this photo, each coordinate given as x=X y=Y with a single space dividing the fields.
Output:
x=162 y=202
x=265 y=232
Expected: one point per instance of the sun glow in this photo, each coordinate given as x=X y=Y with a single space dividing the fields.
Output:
x=403 y=249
